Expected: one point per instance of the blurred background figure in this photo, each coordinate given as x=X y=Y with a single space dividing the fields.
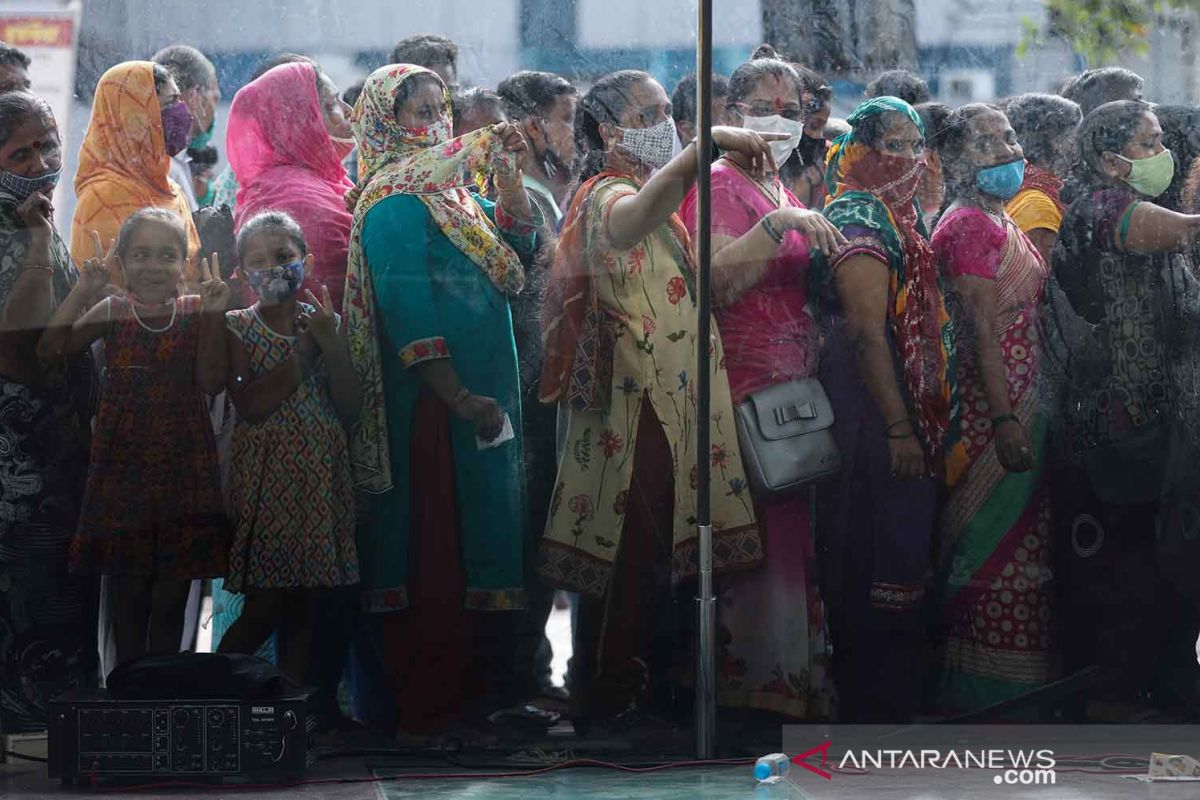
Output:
x=202 y=162
x=196 y=78
x=433 y=52
x=683 y=106
x=14 y=68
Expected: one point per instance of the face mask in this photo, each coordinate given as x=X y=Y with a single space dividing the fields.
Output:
x=430 y=135
x=202 y=139
x=1002 y=180
x=782 y=150
x=21 y=187
x=650 y=146
x=177 y=125
x=278 y=284
x=1150 y=176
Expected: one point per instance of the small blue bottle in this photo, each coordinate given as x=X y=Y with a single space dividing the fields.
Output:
x=772 y=768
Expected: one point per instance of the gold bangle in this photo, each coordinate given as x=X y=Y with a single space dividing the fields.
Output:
x=38 y=268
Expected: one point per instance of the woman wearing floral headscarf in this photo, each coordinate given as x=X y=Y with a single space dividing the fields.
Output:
x=888 y=369
x=430 y=271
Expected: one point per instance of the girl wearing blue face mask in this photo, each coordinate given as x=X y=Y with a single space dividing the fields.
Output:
x=993 y=566
x=294 y=389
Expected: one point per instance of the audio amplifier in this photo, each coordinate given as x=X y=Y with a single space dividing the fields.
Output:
x=94 y=736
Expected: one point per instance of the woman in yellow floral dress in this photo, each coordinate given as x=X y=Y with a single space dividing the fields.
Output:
x=621 y=328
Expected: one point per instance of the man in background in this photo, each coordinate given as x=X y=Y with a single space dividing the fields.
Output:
x=197 y=80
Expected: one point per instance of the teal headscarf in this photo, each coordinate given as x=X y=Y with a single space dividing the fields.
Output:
x=865 y=110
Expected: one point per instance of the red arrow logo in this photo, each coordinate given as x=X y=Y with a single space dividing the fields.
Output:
x=802 y=760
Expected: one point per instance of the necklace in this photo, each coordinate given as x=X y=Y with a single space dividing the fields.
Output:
x=772 y=190
x=170 y=322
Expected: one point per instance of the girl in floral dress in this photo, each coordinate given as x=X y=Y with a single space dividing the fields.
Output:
x=152 y=517
x=293 y=386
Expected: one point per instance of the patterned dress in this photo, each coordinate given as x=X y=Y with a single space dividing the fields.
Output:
x=995 y=558
x=290 y=481
x=153 y=499
x=644 y=296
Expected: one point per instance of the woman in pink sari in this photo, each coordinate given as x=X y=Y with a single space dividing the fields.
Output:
x=288 y=135
x=772 y=644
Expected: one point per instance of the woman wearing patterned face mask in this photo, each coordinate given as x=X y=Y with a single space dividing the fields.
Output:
x=431 y=270
x=287 y=138
x=620 y=321
x=43 y=413
x=138 y=122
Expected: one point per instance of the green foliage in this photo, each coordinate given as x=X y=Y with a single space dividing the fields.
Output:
x=1100 y=30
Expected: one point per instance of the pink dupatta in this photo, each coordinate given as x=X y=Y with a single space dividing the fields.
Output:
x=285 y=160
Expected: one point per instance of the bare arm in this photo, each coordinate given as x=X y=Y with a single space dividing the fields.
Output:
x=1154 y=229
x=634 y=216
x=1044 y=240
x=68 y=332
x=322 y=325
x=30 y=302
x=1012 y=440
x=862 y=283
x=212 y=352
x=739 y=264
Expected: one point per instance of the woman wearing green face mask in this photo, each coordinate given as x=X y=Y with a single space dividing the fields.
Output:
x=1123 y=325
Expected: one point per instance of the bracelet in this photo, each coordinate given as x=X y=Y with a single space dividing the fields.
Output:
x=459 y=397
x=771 y=230
x=1000 y=419
x=898 y=423
x=38 y=268
x=901 y=435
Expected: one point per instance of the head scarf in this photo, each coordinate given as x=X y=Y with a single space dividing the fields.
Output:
x=874 y=190
x=284 y=160
x=426 y=163
x=123 y=162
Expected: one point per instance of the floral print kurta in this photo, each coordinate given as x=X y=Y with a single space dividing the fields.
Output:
x=648 y=306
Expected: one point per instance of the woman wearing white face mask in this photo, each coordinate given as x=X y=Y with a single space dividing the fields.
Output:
x=620 y=325
x=761 y=238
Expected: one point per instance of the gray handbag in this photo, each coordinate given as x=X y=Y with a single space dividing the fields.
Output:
x=786 y=435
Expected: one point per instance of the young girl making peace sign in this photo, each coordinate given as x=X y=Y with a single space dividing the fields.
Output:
x=293 y=386
x=152 y=515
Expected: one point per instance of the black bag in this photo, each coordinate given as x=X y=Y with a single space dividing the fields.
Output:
x=200 y=676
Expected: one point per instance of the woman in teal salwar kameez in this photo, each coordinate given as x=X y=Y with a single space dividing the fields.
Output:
x=430 y=270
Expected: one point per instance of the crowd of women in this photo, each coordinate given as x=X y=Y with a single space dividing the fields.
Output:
x=395 y=408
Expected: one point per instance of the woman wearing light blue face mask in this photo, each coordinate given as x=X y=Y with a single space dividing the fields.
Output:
x=42 y=608
x=993 y=568
x=1130 y=410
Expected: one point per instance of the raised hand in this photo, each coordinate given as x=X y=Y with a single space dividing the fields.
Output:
x=321 y=323
x=750 y=144
x=37 y=213
x=821 y=233
x=214 y=292
x=94 y=275
x=511 y=137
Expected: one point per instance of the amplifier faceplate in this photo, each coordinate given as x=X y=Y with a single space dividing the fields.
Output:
x=95 y=736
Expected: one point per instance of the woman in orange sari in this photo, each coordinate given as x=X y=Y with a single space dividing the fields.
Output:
x=138 y=122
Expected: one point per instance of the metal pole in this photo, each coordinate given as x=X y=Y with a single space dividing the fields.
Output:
x=706 y=685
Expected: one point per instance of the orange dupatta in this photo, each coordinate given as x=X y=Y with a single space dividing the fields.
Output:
x=123 y=163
